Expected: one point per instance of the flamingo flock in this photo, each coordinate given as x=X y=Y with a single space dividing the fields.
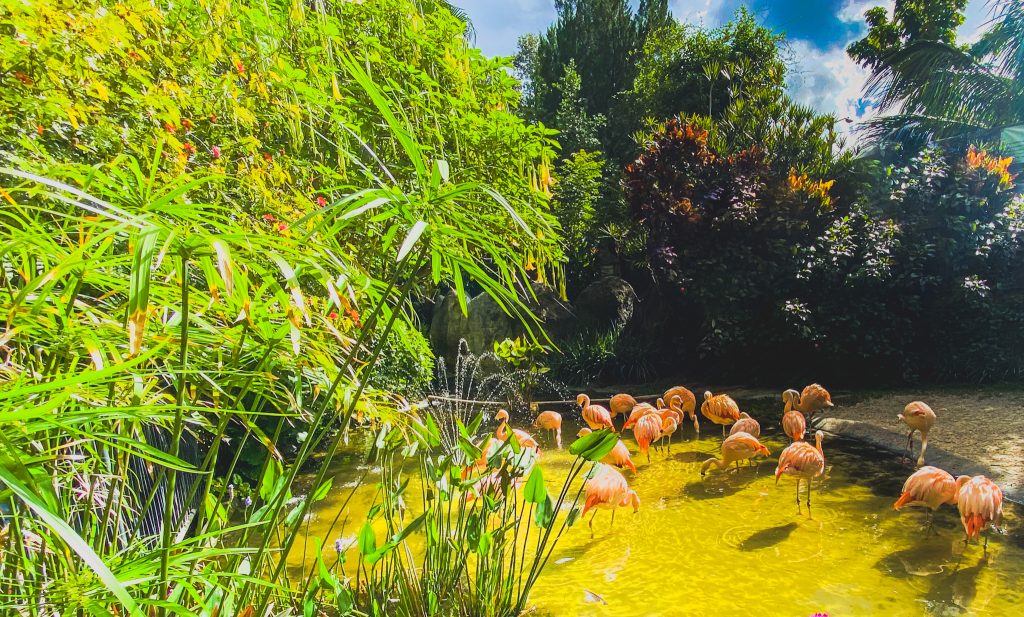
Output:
x=977 y=498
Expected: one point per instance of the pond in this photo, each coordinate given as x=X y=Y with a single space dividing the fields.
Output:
x=731 y=543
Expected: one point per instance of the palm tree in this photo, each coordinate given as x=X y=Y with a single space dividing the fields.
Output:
x=942 y=91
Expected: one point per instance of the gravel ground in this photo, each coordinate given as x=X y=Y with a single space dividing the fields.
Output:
x=977 y=432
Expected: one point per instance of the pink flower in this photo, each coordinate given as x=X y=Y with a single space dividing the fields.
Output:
x=215 y=151
x=332 y=315
x=268 y=157
x=282 y=226
x=268 y=217
x=321 y=201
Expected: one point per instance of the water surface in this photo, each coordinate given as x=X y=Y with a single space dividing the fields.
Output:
x=732 y=543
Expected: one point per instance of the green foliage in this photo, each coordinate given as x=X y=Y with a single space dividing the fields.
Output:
x=479 y=543
x=216 y=218
x=577 y=193
x=689 y=70
x=932 y=88
x=912 y=21
x=606 y=356
x=868 y=277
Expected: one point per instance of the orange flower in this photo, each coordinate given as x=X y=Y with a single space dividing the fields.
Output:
x=169 y=127
x=186 y=124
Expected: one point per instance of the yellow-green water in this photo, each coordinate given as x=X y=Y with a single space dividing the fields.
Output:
x=732 y=543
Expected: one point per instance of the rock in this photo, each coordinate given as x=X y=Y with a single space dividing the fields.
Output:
x=486 y=323
x=605 y=303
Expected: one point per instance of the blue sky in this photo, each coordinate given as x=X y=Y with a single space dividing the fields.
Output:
x=818 y=32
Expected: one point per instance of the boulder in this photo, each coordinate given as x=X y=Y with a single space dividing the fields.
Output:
x=606 y=303
x=486 y=323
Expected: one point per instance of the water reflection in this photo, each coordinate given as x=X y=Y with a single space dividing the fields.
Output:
x=696 y=541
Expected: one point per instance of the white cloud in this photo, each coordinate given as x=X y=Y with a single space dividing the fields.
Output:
x=853 y=11
x=691 y=11
x=829 y=81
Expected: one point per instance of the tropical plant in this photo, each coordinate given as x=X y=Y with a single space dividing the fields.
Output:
x=207 y=241
x=928 y=87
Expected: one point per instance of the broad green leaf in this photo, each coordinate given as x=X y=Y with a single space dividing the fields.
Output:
x=367 y=540
x=410 y=239
x=535 y=492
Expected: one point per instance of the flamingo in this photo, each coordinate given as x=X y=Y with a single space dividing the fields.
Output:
x=669 y=424
x=980 y=503
x=720 y=409
x=621 y=405
x=813 y=399
x=737 y=447
x=793 y=422
x=687 y=403
x=804 y=461
x=525 y=439
x=646 y=431
x=608 y=490
x=746 y=424
x=638 y=412
x=929 y=487
x=595 y=416
x=550 y=421
x=619 y=456
x=919 y=417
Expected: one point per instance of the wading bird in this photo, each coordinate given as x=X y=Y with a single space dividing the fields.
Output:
x=595 y=416
x=687 y=403
x=736 y=447
x=619 y=456
x=621 y=405
x=805 y=462
x=793 y=422
x=638 y=412
x=813 y=399
x=720 y=409
x=668 y=428
x=980 y=503
x=550 y=421
x=608 y=490
x=525 y=439
x=647 y=431
x=919 y=417
x=746 y=424
x=928 y=487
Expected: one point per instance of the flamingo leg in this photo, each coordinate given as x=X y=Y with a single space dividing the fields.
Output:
x=798 y=510
x=809 y=517
x=931 y=523
x=723 y=430
x=592 y=523
x=924 y=446
x=613 y=518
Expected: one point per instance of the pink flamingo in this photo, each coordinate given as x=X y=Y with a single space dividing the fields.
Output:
x=746 y=424
x=550 y=421
x=621 y=405
x=736 y=447
x=619 y=456
x=813 y=399
x=804 y=461
x=608 y=490
x=646 y=431
x=919 y=417
x=720 y=409
x=980 y=503
x=793 y=422
x=928 y=487
x=687 y=403
x=638 y=412
x=525 y=439
x=595 y=416
x=668 y=428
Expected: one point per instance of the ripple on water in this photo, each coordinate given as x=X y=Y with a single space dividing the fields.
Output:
x=697 y=541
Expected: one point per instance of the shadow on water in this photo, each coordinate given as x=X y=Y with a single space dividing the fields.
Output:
x=691 y=456
x=951 y=588
x=955 y=590
x=767 y=537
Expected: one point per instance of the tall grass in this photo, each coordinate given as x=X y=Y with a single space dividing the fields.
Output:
x=149 y=336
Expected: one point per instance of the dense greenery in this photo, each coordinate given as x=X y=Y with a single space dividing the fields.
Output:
x=931 y=86
x=217 y=216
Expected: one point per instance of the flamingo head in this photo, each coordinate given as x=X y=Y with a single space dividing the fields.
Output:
x=582 y=400
x=790 y=396
x=745 y=415
x=584 y=431
x=763 y=449
x=707 y=395
x=960 y=482
x=818 y=436
x=501 y=416
x=676 y=403
x=660 y=403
